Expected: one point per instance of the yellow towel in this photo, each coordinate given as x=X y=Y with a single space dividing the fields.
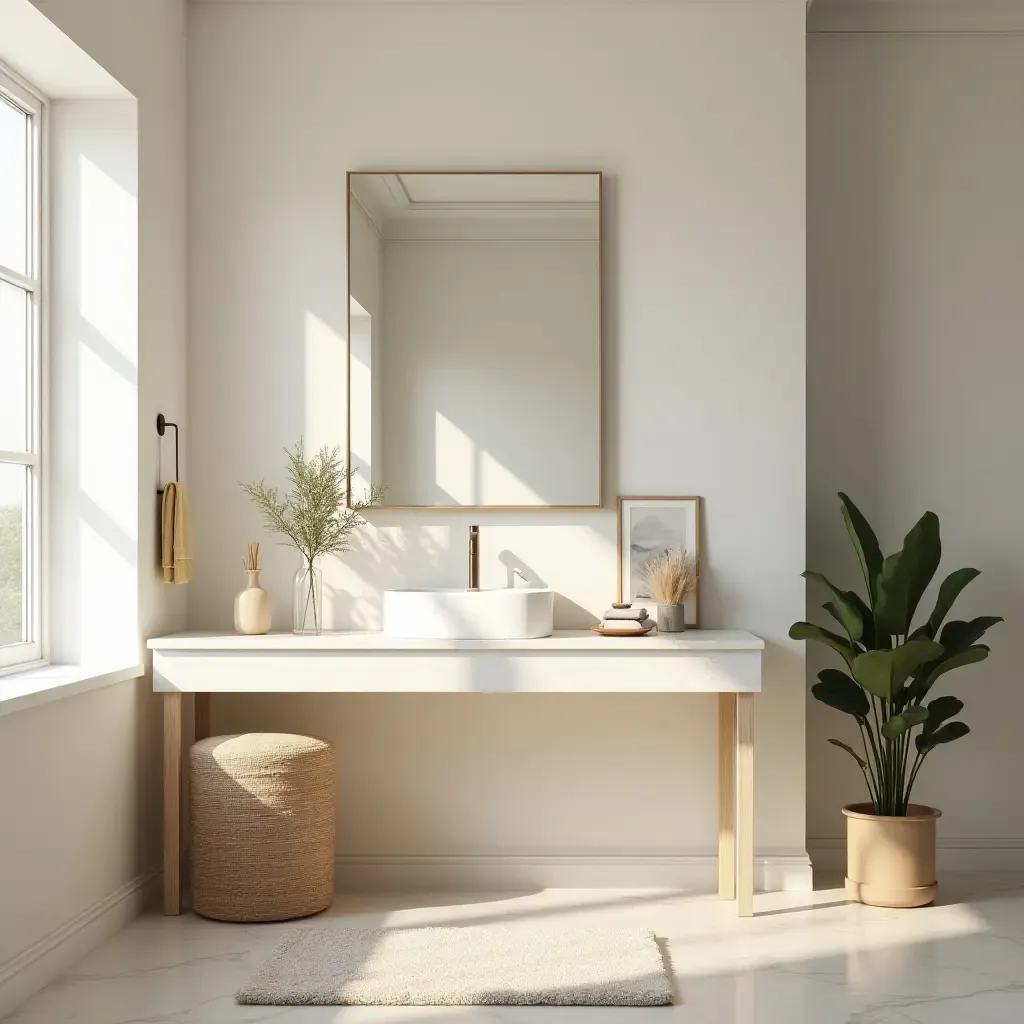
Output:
x=176 y=535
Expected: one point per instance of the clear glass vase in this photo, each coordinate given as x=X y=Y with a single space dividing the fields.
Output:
x=308 y=600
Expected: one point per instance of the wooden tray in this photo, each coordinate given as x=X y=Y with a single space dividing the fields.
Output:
x=621 y=632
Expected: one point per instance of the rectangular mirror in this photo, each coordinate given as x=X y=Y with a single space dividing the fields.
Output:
x=474 y=325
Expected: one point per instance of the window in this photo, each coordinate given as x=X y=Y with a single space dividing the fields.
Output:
x=21 y=392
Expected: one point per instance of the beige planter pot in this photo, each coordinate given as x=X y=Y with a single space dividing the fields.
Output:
x=890 y=862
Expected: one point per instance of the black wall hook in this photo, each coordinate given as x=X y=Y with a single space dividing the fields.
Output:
x=162 y=423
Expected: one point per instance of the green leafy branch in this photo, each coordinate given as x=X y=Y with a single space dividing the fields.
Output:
x=313 y=516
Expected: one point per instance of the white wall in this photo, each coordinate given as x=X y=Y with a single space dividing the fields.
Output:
x=79 y=778
x=696 y=114
x=916 y=157
x=93 y=382
x=142 y=44
x=481 y=335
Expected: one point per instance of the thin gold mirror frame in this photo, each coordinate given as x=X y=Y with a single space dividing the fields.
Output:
x=600 y=354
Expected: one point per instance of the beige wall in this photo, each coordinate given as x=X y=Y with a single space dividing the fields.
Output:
x=915 y=257
x=79 y=777
x=76 y=777
x=696 y=114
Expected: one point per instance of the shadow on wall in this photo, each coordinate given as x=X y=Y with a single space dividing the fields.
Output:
x=428 y=773
x=383 y=558
x=395 y=551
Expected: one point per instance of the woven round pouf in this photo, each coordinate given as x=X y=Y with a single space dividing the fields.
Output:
x=262 y=812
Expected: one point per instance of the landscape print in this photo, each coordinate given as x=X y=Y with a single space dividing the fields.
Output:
x=652 y=532
x=647 y=527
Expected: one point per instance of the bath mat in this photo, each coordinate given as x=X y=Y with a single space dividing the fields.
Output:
x=475 y=965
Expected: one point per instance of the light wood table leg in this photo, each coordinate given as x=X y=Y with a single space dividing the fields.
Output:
x=745 y=805
x=172 y=803
x=727 y=796
x=202 y=710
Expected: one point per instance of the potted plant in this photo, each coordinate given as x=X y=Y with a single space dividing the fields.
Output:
x=891 y=667
x=316 y=521
x=671 y=578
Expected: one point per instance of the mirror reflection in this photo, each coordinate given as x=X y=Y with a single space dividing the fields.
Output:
x=475 y=338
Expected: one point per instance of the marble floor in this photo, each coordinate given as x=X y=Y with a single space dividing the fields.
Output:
x=805 y=958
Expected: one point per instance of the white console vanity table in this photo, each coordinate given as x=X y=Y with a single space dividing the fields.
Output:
x=726 y=662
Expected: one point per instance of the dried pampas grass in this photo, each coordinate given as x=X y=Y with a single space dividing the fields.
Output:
x=671 y=577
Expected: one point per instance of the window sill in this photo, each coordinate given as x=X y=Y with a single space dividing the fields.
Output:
x=35 y=686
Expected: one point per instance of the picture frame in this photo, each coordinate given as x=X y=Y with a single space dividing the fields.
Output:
x=648 y=525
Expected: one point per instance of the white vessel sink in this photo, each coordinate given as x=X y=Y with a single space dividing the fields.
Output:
x=507 y=614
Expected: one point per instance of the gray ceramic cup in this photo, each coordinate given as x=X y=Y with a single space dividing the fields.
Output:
x=671 y=618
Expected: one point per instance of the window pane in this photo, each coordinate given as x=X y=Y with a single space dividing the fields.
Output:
x=15 y=344
x=14 y=190
x=12 y=553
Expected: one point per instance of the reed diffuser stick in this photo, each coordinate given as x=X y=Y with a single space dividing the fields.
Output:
x=252 y=561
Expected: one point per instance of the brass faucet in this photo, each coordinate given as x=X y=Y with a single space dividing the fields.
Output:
x=474 y=558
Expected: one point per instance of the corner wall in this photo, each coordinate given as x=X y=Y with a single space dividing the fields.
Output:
x=916 y=155
x=696 y=114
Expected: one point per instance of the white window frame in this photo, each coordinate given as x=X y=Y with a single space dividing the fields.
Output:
x=33 y=651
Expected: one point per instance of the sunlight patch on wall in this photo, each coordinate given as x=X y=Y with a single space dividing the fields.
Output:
x=108 y=508
x=108 y=259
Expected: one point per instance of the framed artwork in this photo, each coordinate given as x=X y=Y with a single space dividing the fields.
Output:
x=647 y=527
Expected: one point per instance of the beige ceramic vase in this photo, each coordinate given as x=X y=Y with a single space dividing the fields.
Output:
x=252 y=607
x=890 y=862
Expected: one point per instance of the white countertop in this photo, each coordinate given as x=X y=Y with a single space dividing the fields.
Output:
x=569 y=661
x=561 y=641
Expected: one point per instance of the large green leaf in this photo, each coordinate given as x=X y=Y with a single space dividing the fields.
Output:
x=873 y=671
x=853 y=753
x=958 y=659
x=959 y=635
x=897 y=725
x=833 y=611
x=948 y=593
x=809 y=631
x=865 y=543
x=940 y=709
x=867 y=639
x=905 y=576
x=867 y=616
x=883 y=673
x=843 y=607
x=839 y=691
x=950 y=731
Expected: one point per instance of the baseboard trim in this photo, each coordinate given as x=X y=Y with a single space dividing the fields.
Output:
x=43 y=961
x=481 y=873
x=952 y=854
